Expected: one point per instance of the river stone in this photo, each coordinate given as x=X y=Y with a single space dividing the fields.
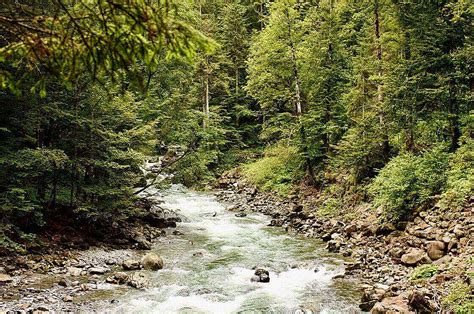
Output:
x=415 y=257
x=4 y=278
x=458 y=231
x=261 y=275
x=130 y=264
x=152 y=261
x=138 y=280
x=395 y=304
x=74 y=271
x=417 y=300
x=435 y=249
x=142 y=243
x=97 y=270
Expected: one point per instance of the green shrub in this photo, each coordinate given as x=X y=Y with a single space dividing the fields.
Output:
x=409 y=181
x=460 y=299
x=277 y=170
x=460 y=181
x=424 y=272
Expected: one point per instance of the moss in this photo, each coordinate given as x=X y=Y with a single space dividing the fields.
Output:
x=424 y=272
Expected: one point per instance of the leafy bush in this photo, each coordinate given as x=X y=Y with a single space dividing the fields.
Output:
x=460 y=299
x=424 y=272
x=409 y=181
x=277 y=170
x=460 y=181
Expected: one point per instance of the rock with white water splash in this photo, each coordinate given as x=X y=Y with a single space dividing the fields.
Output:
x=261 y=275
x=151 y=261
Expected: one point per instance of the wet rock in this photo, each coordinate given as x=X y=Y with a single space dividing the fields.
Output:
x=138 y=280
x=151 y=261
x=130 y=264
x=261 y=275
x=276 y=223
x=118 y=278
x=435 y=249
x=415 y=257
x=241 y=215
x=64 y=282
x=334 y=246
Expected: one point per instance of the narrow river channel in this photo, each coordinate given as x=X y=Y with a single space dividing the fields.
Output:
x=208 y=268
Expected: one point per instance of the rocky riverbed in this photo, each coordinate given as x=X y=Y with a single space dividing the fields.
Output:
x=387 y=257
x=214 y=262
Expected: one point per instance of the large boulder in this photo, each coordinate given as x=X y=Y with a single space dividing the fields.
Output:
x=415 y=257
x=435 y=249
x=151 y=261
x=261 y=275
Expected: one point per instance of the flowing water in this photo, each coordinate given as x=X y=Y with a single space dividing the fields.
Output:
x=208 y=268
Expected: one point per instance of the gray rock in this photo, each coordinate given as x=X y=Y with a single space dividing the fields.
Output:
x=97 y=270
x=261 y=275
x=131 y=264
x=138 y=280
x=74 y=271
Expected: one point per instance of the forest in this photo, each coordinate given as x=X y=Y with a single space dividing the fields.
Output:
x=353 y=103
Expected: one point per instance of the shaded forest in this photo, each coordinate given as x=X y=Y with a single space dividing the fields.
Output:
x=355 y=101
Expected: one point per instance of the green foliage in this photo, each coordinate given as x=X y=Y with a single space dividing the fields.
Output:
x=70 y=37
x=460 y=181
x=460 y=299
x=424 y=272
x=277 y=170
x=409 y=181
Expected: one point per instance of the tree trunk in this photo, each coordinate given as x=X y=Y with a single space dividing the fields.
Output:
x=206 y=102
x=385 y=139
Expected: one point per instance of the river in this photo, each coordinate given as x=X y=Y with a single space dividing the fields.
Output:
x=208 y=267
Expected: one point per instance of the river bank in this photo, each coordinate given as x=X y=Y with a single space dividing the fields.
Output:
x=410 y=267
x=377 y=260
x=209 y=262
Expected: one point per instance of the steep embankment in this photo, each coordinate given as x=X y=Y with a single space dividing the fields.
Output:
x=423 y=265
